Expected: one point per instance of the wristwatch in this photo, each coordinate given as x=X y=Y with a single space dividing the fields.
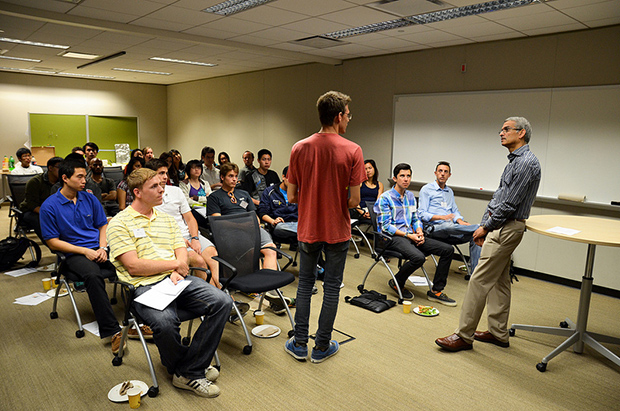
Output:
x=194 y=238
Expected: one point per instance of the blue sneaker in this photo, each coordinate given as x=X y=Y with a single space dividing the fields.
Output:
x=320 y=356
x=299 y=352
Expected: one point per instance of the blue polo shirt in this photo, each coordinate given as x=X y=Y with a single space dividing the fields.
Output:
x=77 y=224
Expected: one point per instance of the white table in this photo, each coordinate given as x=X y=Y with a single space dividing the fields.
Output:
x=592 y=231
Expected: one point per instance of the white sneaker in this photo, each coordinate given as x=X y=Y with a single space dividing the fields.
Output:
x=212 y=373
x=200 y=386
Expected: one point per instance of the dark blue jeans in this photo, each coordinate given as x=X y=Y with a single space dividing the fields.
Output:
x=199 y=298
x=415 y=256
x=335 y=257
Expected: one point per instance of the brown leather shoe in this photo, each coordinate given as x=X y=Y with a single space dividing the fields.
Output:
x=487 y=337
x=453 y=343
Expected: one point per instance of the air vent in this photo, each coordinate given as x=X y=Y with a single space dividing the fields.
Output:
x=319 y=42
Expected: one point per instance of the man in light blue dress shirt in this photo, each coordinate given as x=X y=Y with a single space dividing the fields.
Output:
x=439 y=212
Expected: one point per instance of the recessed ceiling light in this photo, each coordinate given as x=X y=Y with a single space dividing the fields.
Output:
x=33 y=43
x=85 y=75
x=28 y=70
x=432 y=17
x=19 y=59
x=78 y=55
x=196 y=63
x=142 y=71
x=229 y=7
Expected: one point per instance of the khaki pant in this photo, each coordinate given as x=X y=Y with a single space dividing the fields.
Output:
x=490 y=284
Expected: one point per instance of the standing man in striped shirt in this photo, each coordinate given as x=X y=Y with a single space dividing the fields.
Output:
x=499 y=234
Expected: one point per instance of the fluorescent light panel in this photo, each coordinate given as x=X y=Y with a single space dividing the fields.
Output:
x=33 y=43
x=85 y=75
x=142 y=71
x=20 y=59
x=28 y=70
x=229 y=7
x=78 y=55
x=432 y=17
x=196 y=63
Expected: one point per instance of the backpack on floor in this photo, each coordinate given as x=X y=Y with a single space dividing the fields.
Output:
x=371 y=300
x=12 y=249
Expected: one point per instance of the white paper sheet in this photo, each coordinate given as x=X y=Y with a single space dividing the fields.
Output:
x=92 y=328
x=162 y=294
x=21 y=271
x=32 y=299
x=418 y=280
x=563 y=230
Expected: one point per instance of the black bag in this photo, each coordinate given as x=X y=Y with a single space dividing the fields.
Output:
x=371 y=300
x=12 y=250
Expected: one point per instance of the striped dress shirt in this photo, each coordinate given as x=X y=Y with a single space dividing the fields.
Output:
x=517 y=190
x=397 y=213
x=153 y=238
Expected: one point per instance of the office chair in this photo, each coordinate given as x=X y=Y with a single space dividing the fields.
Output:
x=17 y=187
x=382 y=249
x=279 y=240
x=131 y=319
x=455 y=243
x=65 y=278
x=237 y=239
x=115 y=173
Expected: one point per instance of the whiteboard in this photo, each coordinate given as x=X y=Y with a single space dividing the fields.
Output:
x=575 y=135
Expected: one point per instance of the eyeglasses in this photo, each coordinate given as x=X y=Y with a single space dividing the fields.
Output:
x=349 y=115
x=507 y=129
x=233 y=199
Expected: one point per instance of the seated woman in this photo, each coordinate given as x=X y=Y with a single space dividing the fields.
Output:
x=176 y=170
x=193 y=187
x=223 y=158
x=196 y=191
x=370 y=190
x=123 y=196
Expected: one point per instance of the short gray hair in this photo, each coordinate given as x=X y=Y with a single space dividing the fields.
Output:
x=522 y=124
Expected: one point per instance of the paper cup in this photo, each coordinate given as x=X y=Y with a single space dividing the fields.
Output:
x=47 y=284
x=259 y=316
x=406 y=307
x=54 y=285
x=134 y=397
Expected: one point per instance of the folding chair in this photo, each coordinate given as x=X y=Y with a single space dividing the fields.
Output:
x=237 y=239
x=456 y=244
x=355 y=227
x=283 y=240
x=131 y=319
x=382 y=243
x=64 y=278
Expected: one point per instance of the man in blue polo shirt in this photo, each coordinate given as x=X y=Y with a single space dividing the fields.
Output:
x=73 y=222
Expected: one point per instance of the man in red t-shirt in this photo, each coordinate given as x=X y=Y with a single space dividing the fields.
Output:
x=325 y=174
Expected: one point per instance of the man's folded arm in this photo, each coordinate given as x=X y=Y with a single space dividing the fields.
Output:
x=141 y=267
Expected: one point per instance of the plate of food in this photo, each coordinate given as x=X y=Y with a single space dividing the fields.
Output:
x=266 y=331
x=426 y=311
x=118 y=393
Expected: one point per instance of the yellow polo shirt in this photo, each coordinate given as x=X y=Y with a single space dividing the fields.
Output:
x=153 y=238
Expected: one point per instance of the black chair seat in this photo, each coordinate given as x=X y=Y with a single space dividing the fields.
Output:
x=261 y=281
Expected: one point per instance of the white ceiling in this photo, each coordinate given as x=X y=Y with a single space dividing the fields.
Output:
x=258 y=38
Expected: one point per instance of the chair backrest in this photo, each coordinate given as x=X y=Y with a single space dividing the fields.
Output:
x=115 y=173
x=237 y=239
x=378 y=241
x=17 y=185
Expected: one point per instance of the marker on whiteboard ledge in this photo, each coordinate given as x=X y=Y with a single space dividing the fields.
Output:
x=616 y=203
x=572 y=197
